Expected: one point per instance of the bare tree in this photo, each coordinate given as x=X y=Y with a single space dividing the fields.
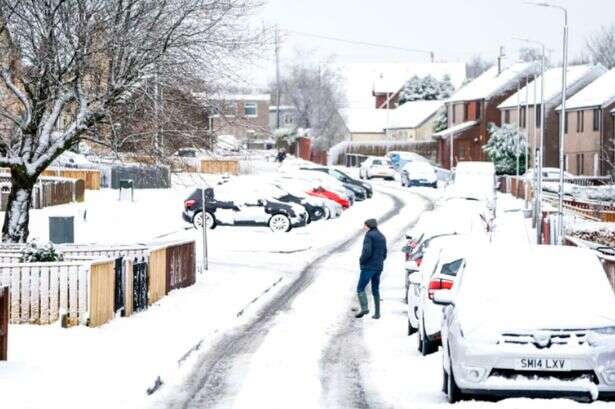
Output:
x=602 y=46
x=476 y=66
x=529 y=54
x=316 y=92
x=71 y=62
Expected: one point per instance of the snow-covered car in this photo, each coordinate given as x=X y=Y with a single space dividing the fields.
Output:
x=482 y=196
x=237 y=209
x=400 y=158
x=324 y=184
x=549 y=173
x=297 y=188
x=443 y=259
x=438 y=223
x=358 y=193
x=539 y=321
x=359 y=185
x=375 y=167
x=419 y=174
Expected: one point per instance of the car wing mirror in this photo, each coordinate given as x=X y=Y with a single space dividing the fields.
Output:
x=443 y=297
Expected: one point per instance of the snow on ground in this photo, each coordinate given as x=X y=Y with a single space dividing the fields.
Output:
x=67 y=367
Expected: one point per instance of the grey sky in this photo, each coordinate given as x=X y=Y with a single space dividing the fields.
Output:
x=454 y=29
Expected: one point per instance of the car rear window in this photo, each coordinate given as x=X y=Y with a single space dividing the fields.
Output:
x=377 y=162
x=452 y=268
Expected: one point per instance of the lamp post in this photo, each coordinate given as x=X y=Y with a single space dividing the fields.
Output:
x=538 y=190
x=560 y=227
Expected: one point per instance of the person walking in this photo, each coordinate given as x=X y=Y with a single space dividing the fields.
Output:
x=372 y=261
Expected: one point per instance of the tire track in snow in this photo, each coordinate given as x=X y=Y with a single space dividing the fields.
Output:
x=341 y=379
x=210 y=384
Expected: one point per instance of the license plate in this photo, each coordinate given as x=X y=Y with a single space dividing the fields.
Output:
x=542 y=364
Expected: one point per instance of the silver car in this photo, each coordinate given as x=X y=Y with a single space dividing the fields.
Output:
x=534 y=321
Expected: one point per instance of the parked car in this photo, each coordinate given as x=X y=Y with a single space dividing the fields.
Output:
x=539 y=321
x=344 y=178
x=549 y=173
x=234 y=209
x=479 y=174
x=400 y=158
x=323 y=187
x=442 y=261
x=358 y=192
x=296 y=188
x=374 y=167
x=418 y=173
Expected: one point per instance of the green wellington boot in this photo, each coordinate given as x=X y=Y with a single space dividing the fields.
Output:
x=376 y=307
x=363 y=303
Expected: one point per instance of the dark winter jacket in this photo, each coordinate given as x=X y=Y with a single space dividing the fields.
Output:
x=374 y=251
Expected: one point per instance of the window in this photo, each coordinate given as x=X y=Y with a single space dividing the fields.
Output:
x=249 y=109
x=466 y=113
x=478 y=108
x=566 y=122
x=522 y=118
x=580 y=163
x=579 y=121
x=224 y=108
x=596 y=119
x=452 y=268
x=538 y=113
x=453 y=113
x=507 y=116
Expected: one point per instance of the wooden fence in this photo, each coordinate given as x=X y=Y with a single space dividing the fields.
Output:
x=4 y=322
x=102 y=291
x=49 y=192
x=42 y=292
x=90 y=177
x=180 y=266
x=220 y=166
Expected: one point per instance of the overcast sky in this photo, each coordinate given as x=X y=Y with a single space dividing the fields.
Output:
x=454 y=29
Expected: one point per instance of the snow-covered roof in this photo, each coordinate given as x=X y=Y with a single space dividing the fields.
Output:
x=576 y=77
x=489 y=83
x=233 y=97
x=366 y=120
x=394 y=77
x=413 y=114
x=455 y=129
x=360 y=79
x=600 y=92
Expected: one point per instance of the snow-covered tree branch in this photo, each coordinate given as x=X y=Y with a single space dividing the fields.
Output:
x=66 y=64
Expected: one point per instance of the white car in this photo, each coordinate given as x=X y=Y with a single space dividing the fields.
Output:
x=375 y=167
x=443 y=260
x=534 y=321
x=419 y=174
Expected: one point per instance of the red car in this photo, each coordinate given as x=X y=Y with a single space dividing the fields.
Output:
x=327 y=194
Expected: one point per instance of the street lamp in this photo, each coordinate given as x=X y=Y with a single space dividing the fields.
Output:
x=538 y=190
x=561 y=230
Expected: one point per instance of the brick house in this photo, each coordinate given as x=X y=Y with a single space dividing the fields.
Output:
x=588 y=146
x=246 y=117
x=471 y=109
x=530 y=122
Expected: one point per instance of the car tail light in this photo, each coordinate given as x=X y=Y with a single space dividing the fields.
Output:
x=419 y=260
x=189 y=203
x=438 y=284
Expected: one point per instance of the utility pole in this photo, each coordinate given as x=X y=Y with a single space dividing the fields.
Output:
x=277 y=78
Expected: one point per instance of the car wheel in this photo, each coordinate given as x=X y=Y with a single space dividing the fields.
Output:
x=427 y=347
x=210 y=220
x=453 y=393
x=308 y=218
x=279 y=223
x=419 y=346
x=411 y=329
x=327 y=215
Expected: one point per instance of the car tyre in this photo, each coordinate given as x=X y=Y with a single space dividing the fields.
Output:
x=427 y=346
x=197 y=220
x=279 y=223
x=327 y=215
x=411 y=329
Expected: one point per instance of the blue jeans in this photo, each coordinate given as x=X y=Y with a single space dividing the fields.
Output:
x=366 y=277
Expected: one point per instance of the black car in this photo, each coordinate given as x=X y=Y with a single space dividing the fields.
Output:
x=366 y=189
x=315 y=213
x=244 y=211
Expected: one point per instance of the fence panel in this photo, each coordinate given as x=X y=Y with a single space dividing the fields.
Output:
x=180 y=266
x=157 y=275
x=102 y=286
x=128 y=288
x=144 y=177
x=220 y=166
x=4 y=322
x=118 y=302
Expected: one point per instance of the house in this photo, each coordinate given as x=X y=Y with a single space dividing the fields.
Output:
x=413 y=121
x=246 y=117
x=578 y=77
x=370 y=85
x=288 y=118
x=390 y=82
x=365 y=124
x=589 y=143
x=471 y=109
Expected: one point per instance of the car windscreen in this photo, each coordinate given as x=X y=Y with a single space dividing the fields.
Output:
x=377 y=162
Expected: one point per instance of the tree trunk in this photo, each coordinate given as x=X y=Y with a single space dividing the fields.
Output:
x=17 y=215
